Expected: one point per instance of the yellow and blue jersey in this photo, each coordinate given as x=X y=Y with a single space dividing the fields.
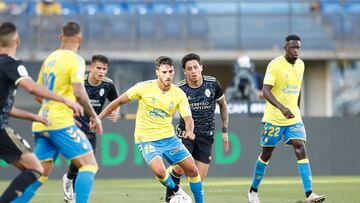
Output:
x=59 y=71
x=286 y=79
x=156 y=108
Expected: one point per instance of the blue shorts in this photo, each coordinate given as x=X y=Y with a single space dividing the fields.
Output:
x=272 y=134
x=70 y=142
x=172 y=149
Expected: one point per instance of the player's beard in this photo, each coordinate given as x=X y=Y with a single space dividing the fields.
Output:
x=195 y=78
x=167 y=82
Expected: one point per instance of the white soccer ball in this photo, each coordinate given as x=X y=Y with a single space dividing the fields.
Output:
x=180 y=199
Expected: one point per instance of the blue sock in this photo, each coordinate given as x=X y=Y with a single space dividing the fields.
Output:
x=84 y=183
x=167 y=181
x=196 y=187
x=30 y=191
x=259 y=172
x=305 y=174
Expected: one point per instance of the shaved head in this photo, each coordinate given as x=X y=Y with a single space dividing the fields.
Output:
x=8 y=34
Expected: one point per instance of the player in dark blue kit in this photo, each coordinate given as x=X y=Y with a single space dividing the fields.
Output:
x=203 y=92
x=99 y=88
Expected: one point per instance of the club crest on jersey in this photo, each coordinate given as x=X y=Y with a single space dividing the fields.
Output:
x=171 y=105
x=153 y=100
x=299 y=76
x=207 y=93
x=101 y=92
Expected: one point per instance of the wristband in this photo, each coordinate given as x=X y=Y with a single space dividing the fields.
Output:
x=224 y=130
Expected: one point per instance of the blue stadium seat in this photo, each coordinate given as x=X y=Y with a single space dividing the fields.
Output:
x=353 y=7
x=69 y=8
x=329 y=7
x=90 y=8
x=218 y=7
x=113 y=8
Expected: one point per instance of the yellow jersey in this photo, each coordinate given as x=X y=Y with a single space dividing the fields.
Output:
x=286 y=80
x=155 y=110
x=59 y=71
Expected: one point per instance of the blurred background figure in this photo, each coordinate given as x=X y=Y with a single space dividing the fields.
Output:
x=48 y=7
x=246 y=84
x=3 y=8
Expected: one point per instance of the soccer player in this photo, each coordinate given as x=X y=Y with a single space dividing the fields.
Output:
x=154 y=133
x=63 y=72
x=282 y=118
x=98 y=88
x=203 y=92
x=13 y=148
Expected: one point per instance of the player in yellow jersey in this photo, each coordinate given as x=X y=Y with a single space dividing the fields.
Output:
x=63 y=73
x=282 y=119
x=154 y=133
x=13 y=148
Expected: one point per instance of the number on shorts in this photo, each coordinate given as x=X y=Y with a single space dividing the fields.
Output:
x=271 y=131
x=149 y=148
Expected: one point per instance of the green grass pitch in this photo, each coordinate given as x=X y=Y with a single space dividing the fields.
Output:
x=338 y=189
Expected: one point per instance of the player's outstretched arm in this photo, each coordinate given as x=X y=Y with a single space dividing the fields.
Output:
x=224 y=120
x=83 y=99
x=189 y=127
x=269 y=96
x=41 y=92
x=22 y=114
x=122 y=99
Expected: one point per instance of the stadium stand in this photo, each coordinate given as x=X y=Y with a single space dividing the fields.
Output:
x=221 y=25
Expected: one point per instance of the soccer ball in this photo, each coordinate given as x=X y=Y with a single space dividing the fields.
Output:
x=180 y=199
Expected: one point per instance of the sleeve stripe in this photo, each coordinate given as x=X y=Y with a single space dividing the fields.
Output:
x=181 y=83
x=220 y=98
x=108 y=80
x=19 y=79
x=210 y=78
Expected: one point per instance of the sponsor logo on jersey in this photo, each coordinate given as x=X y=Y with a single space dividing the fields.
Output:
x=158 y=113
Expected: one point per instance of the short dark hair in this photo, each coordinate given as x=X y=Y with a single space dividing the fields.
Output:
x=7 y=30
x=101 y=58
x=292 y=37
x=163 y=60
x=190 y=57
x=71 y=29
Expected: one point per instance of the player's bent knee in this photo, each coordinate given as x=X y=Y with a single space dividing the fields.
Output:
x=88 y=159
x=29 y=161
x=192 y=171
x=47 y=167
x=160 y=173
x=178 y=170
x=39 y=169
